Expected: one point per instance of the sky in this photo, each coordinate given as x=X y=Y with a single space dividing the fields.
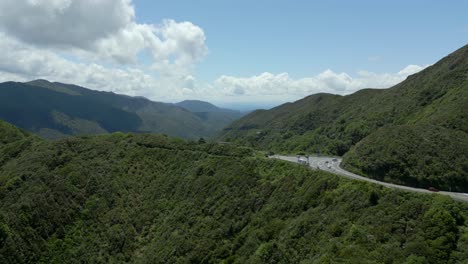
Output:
x=239 y=54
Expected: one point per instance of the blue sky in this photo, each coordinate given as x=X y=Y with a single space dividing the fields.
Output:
x=240 y=54
x=246 y=38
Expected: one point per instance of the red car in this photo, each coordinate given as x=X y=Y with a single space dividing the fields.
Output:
x=432 y=189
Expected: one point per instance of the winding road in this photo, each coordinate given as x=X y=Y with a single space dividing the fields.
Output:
x=332 y=165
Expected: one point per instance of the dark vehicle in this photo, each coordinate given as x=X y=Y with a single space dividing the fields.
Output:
x=335 y=160
x=432 y=189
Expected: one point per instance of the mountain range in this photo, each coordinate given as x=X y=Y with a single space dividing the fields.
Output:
x=151 y=198
x=55 y=110
x=414 y=133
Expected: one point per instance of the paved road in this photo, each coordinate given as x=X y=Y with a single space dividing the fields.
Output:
x=327 y=164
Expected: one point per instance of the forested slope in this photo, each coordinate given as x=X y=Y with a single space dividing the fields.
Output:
x=367 y=121
x=153 y=199
x=56 y=110
x=214 y=117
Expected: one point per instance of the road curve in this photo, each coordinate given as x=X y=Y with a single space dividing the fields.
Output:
x=328 y=164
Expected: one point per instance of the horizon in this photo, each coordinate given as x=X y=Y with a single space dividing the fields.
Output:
x=277 y=53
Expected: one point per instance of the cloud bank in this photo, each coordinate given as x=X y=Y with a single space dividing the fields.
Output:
x=99 y=45
x=281 y=87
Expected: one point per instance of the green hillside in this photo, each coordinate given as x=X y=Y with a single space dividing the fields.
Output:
x=125 y=198
x=10 y=133
x=198 y=106
x=389 y=154
x=434 y=99
x=215 y=117
x=55 y=110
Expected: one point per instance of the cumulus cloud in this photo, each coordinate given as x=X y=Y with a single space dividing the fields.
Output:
x=25 y=62
x=102 y=30
x=64 y=23
x=328 y=81
x=411 y=69
x=22 y=63
x=98 y=44
x=172 y=45
x=184 y=40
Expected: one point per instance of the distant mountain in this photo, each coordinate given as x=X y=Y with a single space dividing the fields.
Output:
x=55 y=110
x=414 y=133
x=216 y=117
x=201 y=106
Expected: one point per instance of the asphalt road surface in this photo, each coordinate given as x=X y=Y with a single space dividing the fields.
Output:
x=328 y=164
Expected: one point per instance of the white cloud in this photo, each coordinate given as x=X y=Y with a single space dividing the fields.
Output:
x=98 y=43
x=268 y=84
x=25 y=62
x=183 y=40
x=172 y=46
x=103 y=30
x=411 y=69
x=64 y=23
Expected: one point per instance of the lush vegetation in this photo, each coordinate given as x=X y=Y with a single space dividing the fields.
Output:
x=56 y=110
x=216 y=118
x=388 y=154
x=154 y=199
x=435 y=99
x=31 y=108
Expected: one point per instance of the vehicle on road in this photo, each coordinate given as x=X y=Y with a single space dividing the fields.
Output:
x=319 y=164
x=335 y=160
x=302 y=160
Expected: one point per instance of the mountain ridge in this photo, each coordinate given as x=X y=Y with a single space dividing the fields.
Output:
x=334 y=124
x=54 y=110
x=202 y=106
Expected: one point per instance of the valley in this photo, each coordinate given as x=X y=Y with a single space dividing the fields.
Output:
x=156 y=199
x=109 y=189
x=233 y=132
x=55 y=110
x=414 y=133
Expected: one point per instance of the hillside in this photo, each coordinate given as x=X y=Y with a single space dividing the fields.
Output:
x=153 y=199
x=218 y=117
x=367 y=121
x=55 y=110
x=198 y=106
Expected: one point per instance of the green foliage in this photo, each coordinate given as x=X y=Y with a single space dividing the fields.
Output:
x=422 y=155
x=31 y=108
x=10 y=133
x=154 y=199
x=435 y=99
x=213 y=117
x=56 y=110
